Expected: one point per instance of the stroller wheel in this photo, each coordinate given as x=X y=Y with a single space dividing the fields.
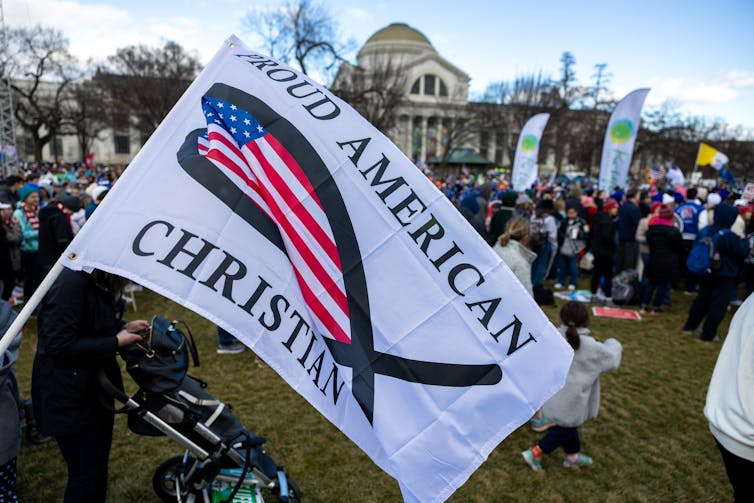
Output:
x=165 y=480
x=294 y=493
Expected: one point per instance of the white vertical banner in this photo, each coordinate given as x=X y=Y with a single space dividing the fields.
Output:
x=620 y=138
x=527 y=149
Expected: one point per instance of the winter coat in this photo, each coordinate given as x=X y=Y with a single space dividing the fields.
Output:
x=78 y=220
x=55 y=235
x=30 y=241
x=6 y=262
x=707 y=217
x=579 y=399
x=730 y=400
x=733 y=250
x=475 y=219
x=603 y=235
x=14 y=237
x=689 y=213
x=641 y=235
x=7 y=195
x=519 y=259
x=665 y=253
x=572 y=236
x=628 y=219
x=498 y=223
x=77 y=329
x=10 y=426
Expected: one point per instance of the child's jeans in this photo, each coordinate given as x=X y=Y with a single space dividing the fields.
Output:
x=558 y=436
x=570 y=266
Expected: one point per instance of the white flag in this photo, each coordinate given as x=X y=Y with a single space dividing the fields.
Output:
x=270 y=207
x=525 y=162
x=619 y=140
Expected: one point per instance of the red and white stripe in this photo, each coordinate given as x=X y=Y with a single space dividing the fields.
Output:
x=267 y=173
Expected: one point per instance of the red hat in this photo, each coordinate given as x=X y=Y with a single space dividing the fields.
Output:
x=666 y=213
x=654 y=207
x=609 y=204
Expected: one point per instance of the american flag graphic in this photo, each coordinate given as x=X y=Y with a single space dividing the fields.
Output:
x=257 y=163
x=657 y=172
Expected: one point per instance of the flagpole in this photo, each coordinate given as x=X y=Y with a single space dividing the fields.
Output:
x=698 y=151
x=30 y=305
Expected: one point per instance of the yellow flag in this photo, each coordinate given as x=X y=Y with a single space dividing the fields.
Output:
x=709 y=156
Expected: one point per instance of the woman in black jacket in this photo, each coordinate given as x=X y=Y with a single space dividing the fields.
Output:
x=79 y=333
x=665 y=253
x=603 y=248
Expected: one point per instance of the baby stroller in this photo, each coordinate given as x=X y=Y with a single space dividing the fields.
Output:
x=222 y=461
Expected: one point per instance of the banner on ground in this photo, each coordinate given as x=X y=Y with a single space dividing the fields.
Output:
x=709 y=156
x=619 y=140
x=525 y=160
x=270 y=207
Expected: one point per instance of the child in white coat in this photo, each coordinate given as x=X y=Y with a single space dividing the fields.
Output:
x=579 y=400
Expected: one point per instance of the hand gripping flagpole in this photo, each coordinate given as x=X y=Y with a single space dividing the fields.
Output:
x=30 y=306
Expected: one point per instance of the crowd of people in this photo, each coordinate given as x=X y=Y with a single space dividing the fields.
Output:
x=78 y=331
x=670 y=239
x=563 y=231
x=42 y=209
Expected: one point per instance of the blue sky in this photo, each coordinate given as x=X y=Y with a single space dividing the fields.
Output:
x=699 y=54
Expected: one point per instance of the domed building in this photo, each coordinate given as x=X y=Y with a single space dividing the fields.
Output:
x=408 y=90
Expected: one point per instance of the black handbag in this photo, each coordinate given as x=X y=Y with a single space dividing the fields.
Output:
x=160 y=363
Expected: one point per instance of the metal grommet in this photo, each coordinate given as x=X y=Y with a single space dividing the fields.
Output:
x=72 y=256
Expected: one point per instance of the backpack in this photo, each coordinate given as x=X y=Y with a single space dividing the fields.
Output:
x=626 y=288
x=537 y=232
x=704 y=257
x=160 y=364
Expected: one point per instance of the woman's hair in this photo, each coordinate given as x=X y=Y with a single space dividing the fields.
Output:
x=516 y=229
x=110 y=282
x=575 y=315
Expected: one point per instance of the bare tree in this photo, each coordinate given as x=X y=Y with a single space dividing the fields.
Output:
x=601 y=78
x=41 y=72
x=88 y=113
x=146 y=82
x=376 y=90
x=508 y=105
x=303 y=32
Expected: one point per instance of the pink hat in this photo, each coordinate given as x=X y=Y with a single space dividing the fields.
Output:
x=666 y=213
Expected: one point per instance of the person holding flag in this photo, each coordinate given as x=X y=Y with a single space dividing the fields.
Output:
x=78 y=334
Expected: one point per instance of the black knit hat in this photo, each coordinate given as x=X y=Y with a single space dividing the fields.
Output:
x=73 y=203
x=546 y=204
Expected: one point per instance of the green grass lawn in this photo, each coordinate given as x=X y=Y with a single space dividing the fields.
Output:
x=649 y=443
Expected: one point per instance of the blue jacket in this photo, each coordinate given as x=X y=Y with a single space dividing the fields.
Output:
x=628 y=220
x=732 y=248
x=688 y=212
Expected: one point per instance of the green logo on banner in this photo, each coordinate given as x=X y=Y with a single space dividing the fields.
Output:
x=529 y=143
x=622 y=131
